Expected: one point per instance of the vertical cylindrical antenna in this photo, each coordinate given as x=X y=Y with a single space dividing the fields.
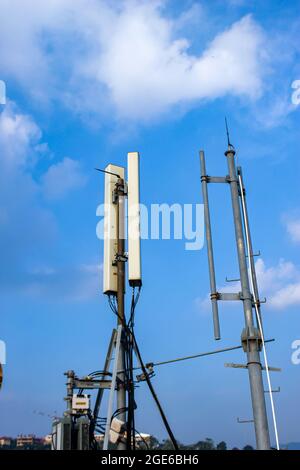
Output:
x=210 y=253
x=134 y=224
x=250 y=338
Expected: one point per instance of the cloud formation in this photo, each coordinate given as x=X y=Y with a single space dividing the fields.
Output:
x=293 y=229
x=24 y=223
x=127 y=57
x=280 y=284
x=61 y=178
x=27 y=226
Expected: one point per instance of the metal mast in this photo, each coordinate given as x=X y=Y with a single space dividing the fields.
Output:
x=251 y=336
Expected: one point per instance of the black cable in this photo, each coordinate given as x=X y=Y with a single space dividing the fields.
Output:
x=149 y=383
x=129 y=382
x=144 y=441
x=99 y=372
x=130 y=379
x=130 y=332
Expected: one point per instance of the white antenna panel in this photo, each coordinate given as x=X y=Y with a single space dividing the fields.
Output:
x=110 y=273
x=134 y=228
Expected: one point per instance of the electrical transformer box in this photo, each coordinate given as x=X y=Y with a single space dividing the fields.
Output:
x=62 y=434
x=80 y=403
x=83 y=433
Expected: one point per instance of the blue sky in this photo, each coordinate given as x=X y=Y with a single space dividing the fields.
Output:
x=88 y=81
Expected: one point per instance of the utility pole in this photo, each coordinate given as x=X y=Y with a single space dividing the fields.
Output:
x=77 y=429
x=251 y=335
x=117 y=189
x=251 y=338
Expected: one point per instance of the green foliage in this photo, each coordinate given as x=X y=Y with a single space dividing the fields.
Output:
x=222 y=446
x=153 y=443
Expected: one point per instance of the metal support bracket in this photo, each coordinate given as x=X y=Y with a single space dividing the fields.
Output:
x=250 y=334
x=277 y=390
x=121 y=189
x=91 y=384
x=245 y=366
x=215 y=179
x=232 y=280
x=229 y=296
x=244 y=421
x=123 y=258
x=254 y=254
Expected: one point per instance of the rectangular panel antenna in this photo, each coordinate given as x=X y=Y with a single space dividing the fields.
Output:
x=134 y=224
x=110 y=273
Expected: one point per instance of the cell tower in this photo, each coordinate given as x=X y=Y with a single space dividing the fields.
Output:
x=116 y=190
x=77 y=429
x=252 y=338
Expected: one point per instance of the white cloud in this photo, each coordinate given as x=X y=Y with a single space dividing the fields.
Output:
x=147 y=72
x=19 y=137
x=280 y=284
x=24 y=223
x=286 y=297
x=27 y=227
x=61 y=178
x=128 y=57
x=293 y=229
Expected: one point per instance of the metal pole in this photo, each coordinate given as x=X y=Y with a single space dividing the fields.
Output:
x=121 y=392
x=70 y=374
x=251 y=339
x=210 y=253
x=112 y=389
x=101 y=390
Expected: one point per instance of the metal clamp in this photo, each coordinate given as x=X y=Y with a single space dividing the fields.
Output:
x=120 y=258
x=250 y=334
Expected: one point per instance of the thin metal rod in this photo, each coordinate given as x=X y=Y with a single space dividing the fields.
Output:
x=250 y=334
x=195 y=356
x=101 y=390
x=210 y=253
x=121 y=392
x=107 y=172
x=113 y=387
x=209 y=353
x=244 y=421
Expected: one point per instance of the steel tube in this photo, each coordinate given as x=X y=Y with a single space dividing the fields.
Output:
x=210 y=253
x=252 y=342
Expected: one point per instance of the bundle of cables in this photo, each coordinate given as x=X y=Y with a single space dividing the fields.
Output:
x=130 y=346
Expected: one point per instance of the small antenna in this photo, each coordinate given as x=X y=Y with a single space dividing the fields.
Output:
x=108 y=172
x=227 y=132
